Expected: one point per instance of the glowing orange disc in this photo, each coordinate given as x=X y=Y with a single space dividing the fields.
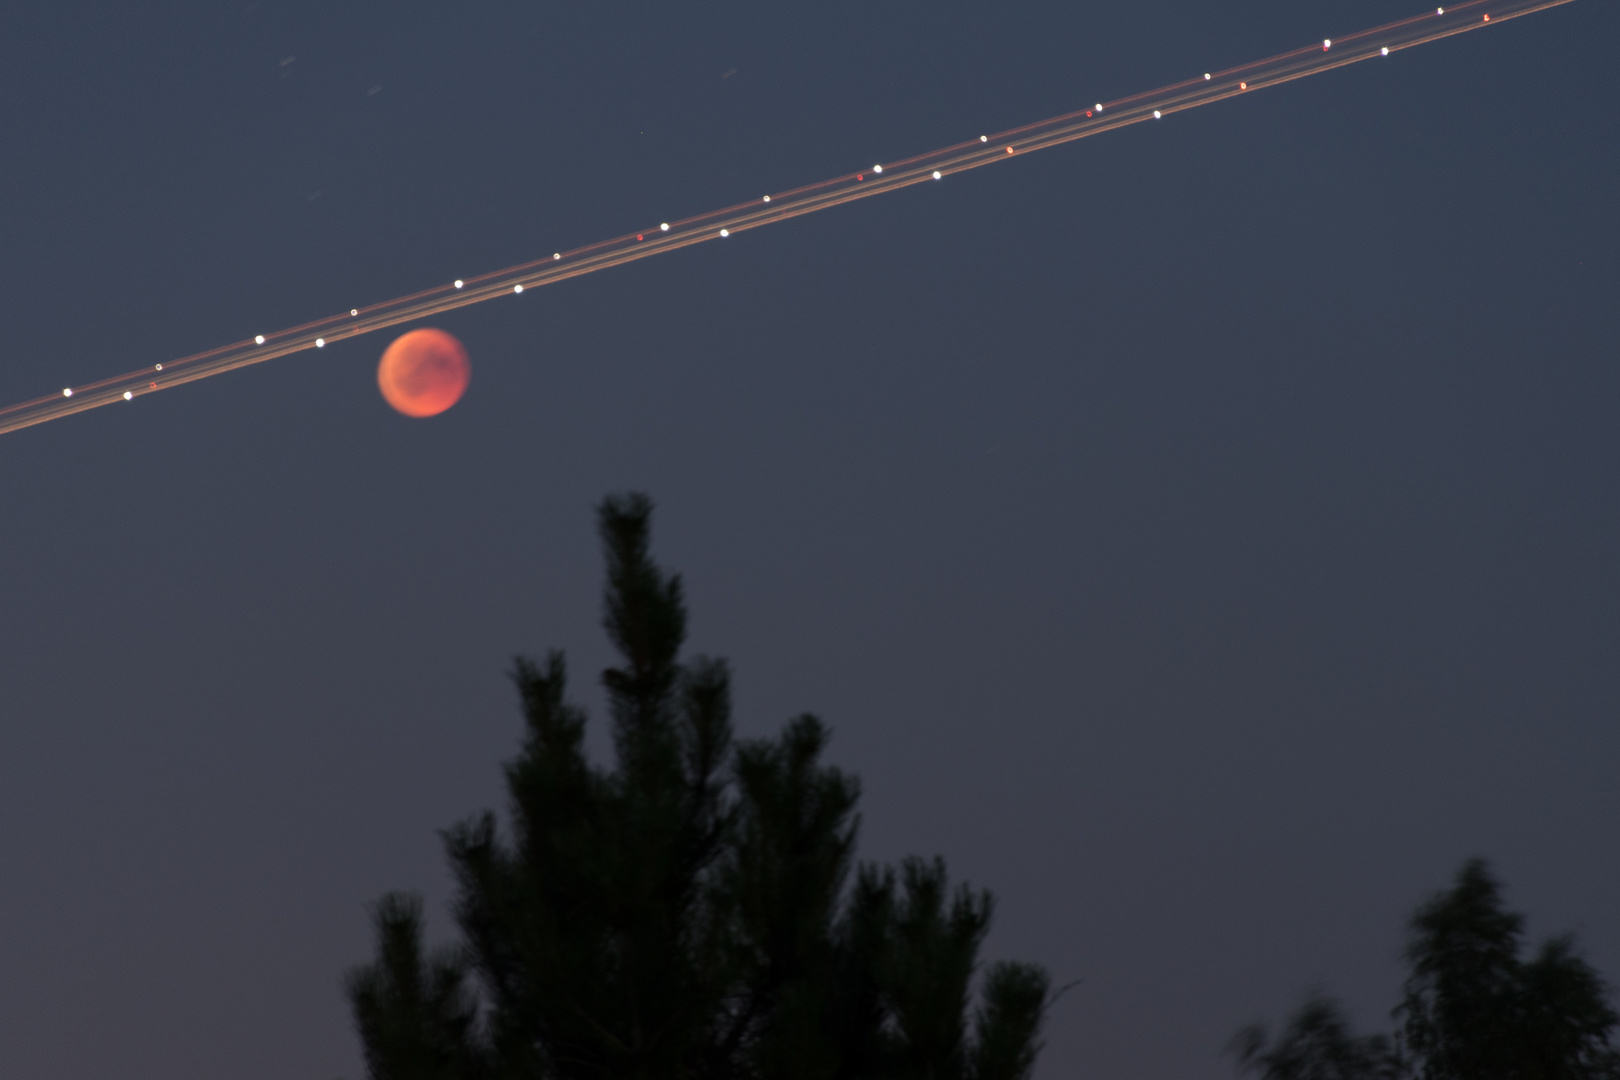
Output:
x=424 y=372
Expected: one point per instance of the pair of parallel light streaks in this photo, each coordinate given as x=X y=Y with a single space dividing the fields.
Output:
x=669 y=236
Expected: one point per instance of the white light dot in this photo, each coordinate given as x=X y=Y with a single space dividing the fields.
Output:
x=1439 y=11
x=517 y=288
x=1386 y=50
x=128 y=396
x=1206 y=76
x=354 y=311
x=320 y=343
x=556 y=255
x=159 y=367
x=1156 y=114
x=984 y=138
x=665 y=226
x=458 y=283
x=67 y=392
x=259 y=340
x=936 y=174
x=767 y=198
x=1327 y=43
x=1099 y=106
x=877 y=168
x=725 y=232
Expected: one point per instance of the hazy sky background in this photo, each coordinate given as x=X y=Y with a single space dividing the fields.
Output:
x=1203 y=535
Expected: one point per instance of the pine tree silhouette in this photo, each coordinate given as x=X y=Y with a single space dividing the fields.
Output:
x=694 y=913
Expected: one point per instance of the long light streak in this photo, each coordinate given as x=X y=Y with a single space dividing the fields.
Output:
x=1432 y=25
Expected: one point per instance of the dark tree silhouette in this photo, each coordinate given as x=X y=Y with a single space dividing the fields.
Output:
x=1471 y=1010
x=1316 y=1045
x=1474 y=1011
x=691 y=913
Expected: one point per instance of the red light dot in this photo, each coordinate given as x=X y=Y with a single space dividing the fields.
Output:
x=639 y=236
x=860 y=176
x=1088 y=112
x=1243 y=86
x=1487 y=18
x=1009 y=149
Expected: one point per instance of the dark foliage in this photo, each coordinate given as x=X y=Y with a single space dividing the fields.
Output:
x=414 y=1013
x=1316 y=1045
x=1472 y=1009
x=694 y=914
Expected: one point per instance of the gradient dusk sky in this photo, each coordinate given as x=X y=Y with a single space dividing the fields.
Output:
x=1203 y=535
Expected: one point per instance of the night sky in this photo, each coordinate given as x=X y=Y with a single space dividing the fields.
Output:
x=1203 y=535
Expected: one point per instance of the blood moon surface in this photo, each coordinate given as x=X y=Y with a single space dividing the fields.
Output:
x=423 y=372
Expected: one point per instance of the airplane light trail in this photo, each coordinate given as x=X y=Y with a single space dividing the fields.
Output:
x=1210 y=87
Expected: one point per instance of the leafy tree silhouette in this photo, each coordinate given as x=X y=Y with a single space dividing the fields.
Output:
x=691 y=913
x=1474 y=1010
x=1317 y=1045
x=1471 y=1010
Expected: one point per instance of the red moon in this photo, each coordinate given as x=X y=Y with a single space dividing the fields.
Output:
x=424 y=372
